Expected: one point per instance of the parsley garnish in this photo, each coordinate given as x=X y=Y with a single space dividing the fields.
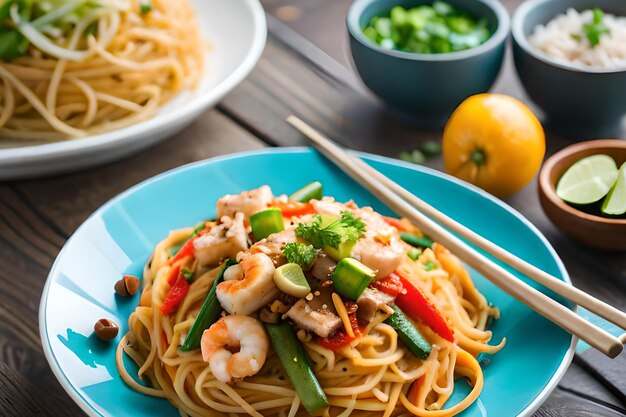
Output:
x=345 y=229
x=596 y=29
x=300 y=254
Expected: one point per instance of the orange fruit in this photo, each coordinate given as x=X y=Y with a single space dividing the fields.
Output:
x=495 y=142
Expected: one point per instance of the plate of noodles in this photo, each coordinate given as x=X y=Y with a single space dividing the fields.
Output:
x=270 y=284
x=86 y=82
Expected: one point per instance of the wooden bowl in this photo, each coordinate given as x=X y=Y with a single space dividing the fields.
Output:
x=588 y=229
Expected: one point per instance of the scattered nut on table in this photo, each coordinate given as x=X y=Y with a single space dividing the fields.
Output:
x=106 y=329
x=127 y=286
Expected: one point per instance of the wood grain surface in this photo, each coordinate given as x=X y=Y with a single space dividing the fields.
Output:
x=304 y=70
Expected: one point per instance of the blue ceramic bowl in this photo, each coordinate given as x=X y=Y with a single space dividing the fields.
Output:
x=119 y=237
x=581 y=102
x=427 y=87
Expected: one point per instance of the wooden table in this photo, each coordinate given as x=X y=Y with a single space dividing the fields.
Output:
x=293 y=76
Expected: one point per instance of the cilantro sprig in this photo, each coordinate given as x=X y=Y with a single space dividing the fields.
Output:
x=345 y=229
x=594 y=30
x=145 y=6
x=301 y=254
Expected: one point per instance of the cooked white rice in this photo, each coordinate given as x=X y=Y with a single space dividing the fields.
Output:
x=557 y=40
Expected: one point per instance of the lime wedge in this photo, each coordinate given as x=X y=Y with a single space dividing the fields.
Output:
x=588 y=180
x=290 y=279
x=615 y=202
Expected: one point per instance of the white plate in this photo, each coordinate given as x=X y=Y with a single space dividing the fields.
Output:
x=237 y=31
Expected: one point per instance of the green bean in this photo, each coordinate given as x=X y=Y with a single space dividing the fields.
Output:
x=416 y=241
x=408 y=334
x=209 y=313
x=293 y=357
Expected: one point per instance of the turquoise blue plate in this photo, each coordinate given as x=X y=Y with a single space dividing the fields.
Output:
x=119 y=237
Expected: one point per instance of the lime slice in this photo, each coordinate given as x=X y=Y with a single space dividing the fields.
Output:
x=290 y=279
x=588 y=180
x=615 y=202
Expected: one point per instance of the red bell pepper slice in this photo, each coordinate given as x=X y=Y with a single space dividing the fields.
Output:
x=173 y=274
x=176 y=295
x=293 y=208
x=390 y=285
x=397 y=223
x=340 y=338
x=187 y=248
x=415 y=305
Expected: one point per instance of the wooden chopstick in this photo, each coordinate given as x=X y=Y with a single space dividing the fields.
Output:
x=544 y=305
x=570 y=292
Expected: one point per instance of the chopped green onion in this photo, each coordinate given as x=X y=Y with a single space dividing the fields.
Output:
x=429 y=266
x=431 y=148
x=293 y=357
x=414 y=253
x=267 y=222
x=209 y=313
x=440 y=28
x=187 y=274
x=313 y=191
x=417 y=241
x=415 y=157
x=351 y=277
x=343 y=250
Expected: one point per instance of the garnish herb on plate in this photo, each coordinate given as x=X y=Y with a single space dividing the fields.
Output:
x=347 y=228
x=594 y=30
x=145 y=6
x=301 y=254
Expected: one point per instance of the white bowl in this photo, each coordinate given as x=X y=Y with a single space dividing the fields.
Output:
x=237 y=31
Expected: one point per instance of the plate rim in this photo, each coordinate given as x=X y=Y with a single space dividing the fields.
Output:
x=92 y=412
x=68 y=148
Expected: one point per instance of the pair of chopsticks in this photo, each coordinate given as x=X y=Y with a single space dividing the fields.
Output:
x=432 y=222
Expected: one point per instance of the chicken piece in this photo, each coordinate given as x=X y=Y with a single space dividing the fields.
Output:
x=323 y=267
x=370 y=302
x=273 y=245
x=223 y=241
x=247 y=202
x=322 y=322
x=380 y=248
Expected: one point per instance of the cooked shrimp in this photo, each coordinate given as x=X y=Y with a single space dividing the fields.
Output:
x=380 y=248
x=247 y=202
x=223 y=241
x=235 y=347
x=248 y=286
